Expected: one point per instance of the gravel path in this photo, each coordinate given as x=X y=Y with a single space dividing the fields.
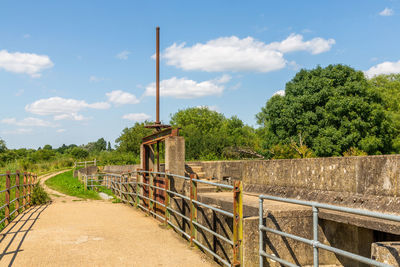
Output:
x=75 y=232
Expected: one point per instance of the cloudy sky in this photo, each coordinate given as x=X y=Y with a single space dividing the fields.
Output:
x=75 y=71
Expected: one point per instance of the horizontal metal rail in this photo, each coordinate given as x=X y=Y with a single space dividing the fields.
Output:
x=145 y=195
x=314 y=242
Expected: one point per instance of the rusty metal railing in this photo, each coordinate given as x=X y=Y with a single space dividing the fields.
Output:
x=17 y=195
x=314 y=242
x=140 y=190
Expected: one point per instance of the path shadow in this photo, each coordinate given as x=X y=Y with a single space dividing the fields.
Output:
x=10 y=237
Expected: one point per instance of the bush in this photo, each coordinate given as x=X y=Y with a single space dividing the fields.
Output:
x=39 y=196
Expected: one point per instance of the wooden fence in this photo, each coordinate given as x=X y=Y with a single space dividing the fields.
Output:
x=16 y=195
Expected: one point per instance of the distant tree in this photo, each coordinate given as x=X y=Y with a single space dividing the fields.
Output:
x=3 y=146
x=78 y=153
x=333 y=108
x=109 y=147
x=48 y=147
x=131 y=138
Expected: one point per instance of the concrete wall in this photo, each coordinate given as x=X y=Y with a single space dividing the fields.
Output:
x=120 y=168
x=349 y=181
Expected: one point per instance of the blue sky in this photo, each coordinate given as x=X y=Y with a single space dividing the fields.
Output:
x=75 y=71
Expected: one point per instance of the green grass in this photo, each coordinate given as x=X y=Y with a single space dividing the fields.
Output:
x=67 y=184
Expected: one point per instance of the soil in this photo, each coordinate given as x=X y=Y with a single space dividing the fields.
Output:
x=75 y=232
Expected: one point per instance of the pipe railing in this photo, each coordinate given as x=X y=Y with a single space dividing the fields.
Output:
x=142 y=189
x=315 y=242
x=18 y=188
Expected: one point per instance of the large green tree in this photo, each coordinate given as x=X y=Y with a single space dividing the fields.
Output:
x=208 y=133
x=388 y=86
x=131 y=138
x=3 y=146
x=330 y=110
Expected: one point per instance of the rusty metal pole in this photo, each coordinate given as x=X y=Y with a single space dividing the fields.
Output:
x=24 y=191
x=167 y=198
x=237 y=224
x=158 y=74
x=193 y=209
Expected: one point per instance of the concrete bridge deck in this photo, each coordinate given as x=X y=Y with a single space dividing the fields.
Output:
x=72 y=232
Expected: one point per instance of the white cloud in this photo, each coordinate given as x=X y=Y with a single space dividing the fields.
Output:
x=185 y=88
x=136 y=117
x=95 y=79
x=386 y=12
x=26 y=36
x=386 y=67
x=119 y=97
x=17 y=131
x=62 y=108
x=61 y=130
x=235 y=54
x=123 y=55
x=27 y=122
x=280 y=92
x=295 y=43
x=31 y=64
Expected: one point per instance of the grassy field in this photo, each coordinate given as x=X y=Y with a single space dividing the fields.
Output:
x=69 y=185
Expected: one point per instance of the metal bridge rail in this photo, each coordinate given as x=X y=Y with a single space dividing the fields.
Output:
x=17 y=197
x=314 y=242
x=141 y=188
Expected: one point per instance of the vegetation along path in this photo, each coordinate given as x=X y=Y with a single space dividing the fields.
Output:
x=75 y=232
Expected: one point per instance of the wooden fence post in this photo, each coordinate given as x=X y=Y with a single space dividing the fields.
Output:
x=137 y=188
x=7 y=200
x=237 y=223
x=167 y=198
x=193 y=209
x=24 y=191
x=17 y=177
x=151 y=205
x=29 y=188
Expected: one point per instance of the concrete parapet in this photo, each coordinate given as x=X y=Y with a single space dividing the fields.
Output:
x=386 y=252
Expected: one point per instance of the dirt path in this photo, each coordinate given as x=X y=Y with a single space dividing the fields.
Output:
x=72 y=232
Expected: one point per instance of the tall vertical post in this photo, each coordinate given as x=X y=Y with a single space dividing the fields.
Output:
x=7 y=200
x=151 y=193
x=157 y=75
x=85 y=183
x=260 y=232
x=167 y=197
x=29 y=188
x=17 y=177
x=237 y=223
x=24 y=191
x=315 y=236
x=137 y=188
x=193 y=209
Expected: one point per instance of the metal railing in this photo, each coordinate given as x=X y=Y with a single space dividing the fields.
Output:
x=314 y=242
x=19 y=187
x=142 y=190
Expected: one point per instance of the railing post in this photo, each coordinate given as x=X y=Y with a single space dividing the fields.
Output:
x=315 y=236
x=7 y=200
x=193 y=209
x=260 y=232
x=237 y=223
x=85 y=182
x=29 y=188
x=150 y=192
x=167 y=198
x=138 y=175
x=24 y=191
x=17 y=193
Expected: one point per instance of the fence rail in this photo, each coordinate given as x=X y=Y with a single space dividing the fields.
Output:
x=85 y=163
x=152 y=192
x=314 y=242
x=17 y=194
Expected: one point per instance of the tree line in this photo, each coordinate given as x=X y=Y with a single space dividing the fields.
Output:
x=331 y=111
